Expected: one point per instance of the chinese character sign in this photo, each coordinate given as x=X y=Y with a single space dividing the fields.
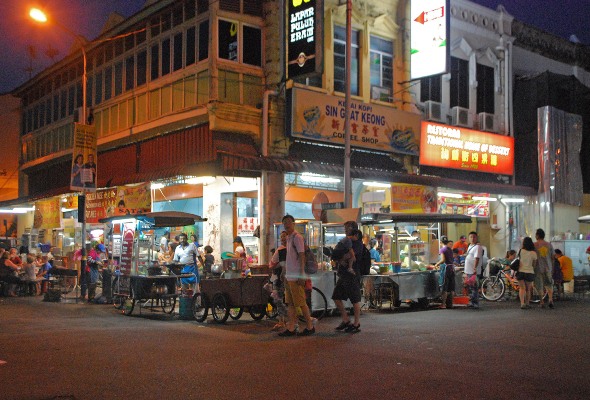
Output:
x=47 y=214
x=247 y=226
x=459 y=148
x=321 y=117
x=83 y=173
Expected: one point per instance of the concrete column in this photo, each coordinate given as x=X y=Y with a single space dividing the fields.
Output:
x=275 y=206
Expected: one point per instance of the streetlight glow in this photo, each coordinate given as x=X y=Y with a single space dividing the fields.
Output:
x=38 y=15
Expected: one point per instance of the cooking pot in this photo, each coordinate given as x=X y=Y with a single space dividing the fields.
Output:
x=216 y=269
x=159 y=289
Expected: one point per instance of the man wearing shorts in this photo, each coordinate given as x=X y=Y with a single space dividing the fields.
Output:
x=544 y=271
x=348 y=285
x=295 y=278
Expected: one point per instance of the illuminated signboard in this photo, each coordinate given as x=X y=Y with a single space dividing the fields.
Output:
x=429 y=24
x=304 y=37
x=466 y=205
x=459 y=148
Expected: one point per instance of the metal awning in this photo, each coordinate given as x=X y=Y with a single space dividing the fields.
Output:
x=584 y=219
x=383 y=218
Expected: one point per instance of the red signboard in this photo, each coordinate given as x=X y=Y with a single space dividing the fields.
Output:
x=466 y=149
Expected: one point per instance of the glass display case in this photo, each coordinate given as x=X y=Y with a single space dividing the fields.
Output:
x=311 y=232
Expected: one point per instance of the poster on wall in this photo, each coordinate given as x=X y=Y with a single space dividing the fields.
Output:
x=47 y=214
x=121 y=200
x=406 y=198
x=247 y=226
x=321 y=117
x=454 y=147
x=84 y=159
x=8 y=225
x=429 y=33
x=466 y=205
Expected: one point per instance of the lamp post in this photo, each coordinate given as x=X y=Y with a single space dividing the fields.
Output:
x=40 y=16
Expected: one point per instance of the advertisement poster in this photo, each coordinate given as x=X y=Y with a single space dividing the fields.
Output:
x=47 y=214
x=127 y=248
x=120 y=200
x=466 y=149
x=464 y=206
x=84 y=159
x=417 y=199
x=321 y=117
x=8 y=226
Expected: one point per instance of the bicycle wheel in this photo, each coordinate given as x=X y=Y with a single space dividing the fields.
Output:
x=219 y=308
x=493 y=288
x=199 y=308
x=257 y=312
x=320 y=306
x=168 y=304
x=236 y=312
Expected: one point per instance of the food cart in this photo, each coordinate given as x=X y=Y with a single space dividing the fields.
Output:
x=139 y=279
x=406 y=274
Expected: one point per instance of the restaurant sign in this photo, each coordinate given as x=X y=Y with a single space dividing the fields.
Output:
x=466 y=149
x=406 y=198
x=120 y=200
x=321 y=117
x=304 y=32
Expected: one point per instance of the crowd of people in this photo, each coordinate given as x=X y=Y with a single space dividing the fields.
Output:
x=23 y=277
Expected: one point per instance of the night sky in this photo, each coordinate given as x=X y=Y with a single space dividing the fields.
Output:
x=87 y=17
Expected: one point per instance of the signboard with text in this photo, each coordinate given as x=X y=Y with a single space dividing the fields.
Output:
x=429 y=24
x=466 y=149
x=464 y=206
x=120 y=200
x=304 y=37
x=47 y=214
x=318 y=116
x=126 y=262
x=406 y=198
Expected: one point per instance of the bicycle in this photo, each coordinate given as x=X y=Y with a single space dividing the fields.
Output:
x=493 y=287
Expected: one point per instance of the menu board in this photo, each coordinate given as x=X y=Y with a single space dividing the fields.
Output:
x=127 y=248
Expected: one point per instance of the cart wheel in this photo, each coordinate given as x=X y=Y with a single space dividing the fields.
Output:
x=128 y=305
x=257 y=312
x=219 y=308
x=236 y=313
x=199 y=308
x=118 y=302
x=168 y=304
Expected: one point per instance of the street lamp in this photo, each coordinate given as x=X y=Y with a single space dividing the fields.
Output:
x=38 y=15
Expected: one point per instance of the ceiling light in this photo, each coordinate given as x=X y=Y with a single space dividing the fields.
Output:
x=484 y=198
x=311 y=177
x=377 y=184
x=451 y=195
x=200 y=180
x=512 y=200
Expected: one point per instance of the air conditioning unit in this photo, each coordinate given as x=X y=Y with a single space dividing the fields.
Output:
x=461 y=117
x=487 y=122
x=381 y=93
x=433 y=111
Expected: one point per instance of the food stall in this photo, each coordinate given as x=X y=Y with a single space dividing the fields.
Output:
x=139 y=277
x=405 y=273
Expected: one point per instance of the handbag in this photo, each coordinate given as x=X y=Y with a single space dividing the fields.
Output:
x=515 y=264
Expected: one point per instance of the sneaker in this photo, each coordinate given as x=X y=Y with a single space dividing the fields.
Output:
x=352 y=328
x=551 y=305
x=287 y=333
x=343 y=326
x=306 y=332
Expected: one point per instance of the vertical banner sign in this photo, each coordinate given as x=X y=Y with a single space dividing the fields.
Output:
x=429 y=24
x=304 y=37
x=84 y=159
x=127 y=247
x=47 y=214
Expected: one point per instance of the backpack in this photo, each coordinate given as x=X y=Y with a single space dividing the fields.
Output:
x=311 y=265
x=365 y=262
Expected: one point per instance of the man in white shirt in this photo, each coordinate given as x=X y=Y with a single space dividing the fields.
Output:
x=164 y=242
x=473 y=258
x=186 y=253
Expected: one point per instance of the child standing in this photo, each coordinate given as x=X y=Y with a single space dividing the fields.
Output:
x=343 y=256
x=209 y=260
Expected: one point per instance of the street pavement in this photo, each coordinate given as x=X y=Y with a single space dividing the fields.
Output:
x=81 y=351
